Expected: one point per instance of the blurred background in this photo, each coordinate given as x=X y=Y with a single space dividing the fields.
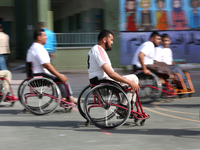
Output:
x=77 y=23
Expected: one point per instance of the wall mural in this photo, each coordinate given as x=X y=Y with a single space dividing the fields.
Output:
x=178 y=18
x=148 y=15
x=184 y=45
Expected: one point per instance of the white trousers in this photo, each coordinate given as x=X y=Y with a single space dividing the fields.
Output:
x=130 y=94
x=6 y=74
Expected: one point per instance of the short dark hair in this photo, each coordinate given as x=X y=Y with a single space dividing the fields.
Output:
x=165 y=35
x=154 y=33
x=37 y=33
x=104 y=33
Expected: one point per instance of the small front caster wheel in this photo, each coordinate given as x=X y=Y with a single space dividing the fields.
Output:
x=180 y=95
x=68 y=110
x=87 y=123
x=24 y=111
x=136 y=120
x=190 y=95
x=12 y=104
x=142 y=122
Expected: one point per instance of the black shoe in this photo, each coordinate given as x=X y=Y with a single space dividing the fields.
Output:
x=121 y=111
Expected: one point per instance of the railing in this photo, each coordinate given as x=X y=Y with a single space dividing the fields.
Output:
x=76 y=39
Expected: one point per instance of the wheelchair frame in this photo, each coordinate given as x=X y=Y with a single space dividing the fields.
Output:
x=3 y=96
x=94 y=99
x=168 y=89
x=67 y=105
x=182 y=88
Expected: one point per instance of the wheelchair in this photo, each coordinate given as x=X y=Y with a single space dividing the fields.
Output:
x=40 y=95
x=151 y=87
x=179 y=86
x=101 y=104
x=4 y=97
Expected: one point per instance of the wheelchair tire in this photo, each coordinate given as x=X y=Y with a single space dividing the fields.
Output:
x=40 y=96
x=103 y=106
x=2 y=91
x=150 y=87
x=84 y=92
x=81 y=100
x=19 y=91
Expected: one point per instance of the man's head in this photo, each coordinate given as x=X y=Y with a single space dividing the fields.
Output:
x=105 y=39
x=166 y=40
x=155 y=38
x=39 y=36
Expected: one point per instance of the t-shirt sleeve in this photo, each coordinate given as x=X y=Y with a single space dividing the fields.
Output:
x=99 y=56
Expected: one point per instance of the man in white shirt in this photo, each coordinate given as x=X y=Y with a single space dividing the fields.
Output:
x=41 y=65
x=99 y=65
x=164 y=54
x=145 y=54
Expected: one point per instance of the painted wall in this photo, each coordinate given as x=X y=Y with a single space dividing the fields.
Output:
x=184 y=45
x=71 y=59
x=147 y=15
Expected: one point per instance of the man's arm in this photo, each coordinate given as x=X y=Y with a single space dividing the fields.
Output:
x=115 y=76
x=141 y=59
x=52 y=70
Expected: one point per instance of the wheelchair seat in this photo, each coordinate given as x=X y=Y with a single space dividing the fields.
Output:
x=96 y=81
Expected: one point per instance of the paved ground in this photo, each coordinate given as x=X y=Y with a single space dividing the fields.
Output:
x=173 y=125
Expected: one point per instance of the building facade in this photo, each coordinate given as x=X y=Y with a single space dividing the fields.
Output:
x=20 y=17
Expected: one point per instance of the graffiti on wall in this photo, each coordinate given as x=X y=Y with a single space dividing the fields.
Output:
x=184 y=44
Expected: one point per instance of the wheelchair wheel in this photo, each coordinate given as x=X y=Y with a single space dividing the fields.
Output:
x=150 y=87
x=2 y=91
x=103 y=106
x=19 y=91
x=81 y=100
x=40 y=96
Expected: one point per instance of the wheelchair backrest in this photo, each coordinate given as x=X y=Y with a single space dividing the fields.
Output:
x=29 y=69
